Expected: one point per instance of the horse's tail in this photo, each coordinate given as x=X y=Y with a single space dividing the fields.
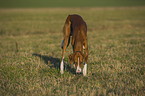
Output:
x=67 y=43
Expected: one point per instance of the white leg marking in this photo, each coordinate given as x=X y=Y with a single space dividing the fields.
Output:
x=78 y=67
x=74 y=66
x=61 y=66
x=85 y=70
x=83 y=48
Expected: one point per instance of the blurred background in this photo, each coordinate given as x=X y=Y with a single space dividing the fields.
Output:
x=68 y=3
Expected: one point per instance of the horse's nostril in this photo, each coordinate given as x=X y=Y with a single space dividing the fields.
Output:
x=78 y=71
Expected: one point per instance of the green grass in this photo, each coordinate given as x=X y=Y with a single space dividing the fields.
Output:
x=68 y=3
x=116 y=38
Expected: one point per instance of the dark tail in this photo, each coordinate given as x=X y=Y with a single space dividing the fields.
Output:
x=63 y=42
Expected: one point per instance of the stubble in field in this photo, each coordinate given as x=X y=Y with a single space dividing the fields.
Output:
x=30 y=52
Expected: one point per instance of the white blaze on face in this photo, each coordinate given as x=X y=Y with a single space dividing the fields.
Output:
x=78 y=67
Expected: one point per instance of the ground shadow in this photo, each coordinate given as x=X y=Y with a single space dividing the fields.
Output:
x=55 y=62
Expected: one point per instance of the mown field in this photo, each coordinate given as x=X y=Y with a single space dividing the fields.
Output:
x=30 y=52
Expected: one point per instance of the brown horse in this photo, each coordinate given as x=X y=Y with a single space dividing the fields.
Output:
x=76 y=27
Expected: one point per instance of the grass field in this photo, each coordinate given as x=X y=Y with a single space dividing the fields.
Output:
x=30 y=52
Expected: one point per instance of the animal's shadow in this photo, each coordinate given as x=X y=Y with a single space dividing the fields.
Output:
x=55 y=62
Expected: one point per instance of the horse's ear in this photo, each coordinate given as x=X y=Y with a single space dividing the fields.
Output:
x=71 y=58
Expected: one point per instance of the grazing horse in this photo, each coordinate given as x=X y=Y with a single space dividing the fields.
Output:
x=76 y=27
